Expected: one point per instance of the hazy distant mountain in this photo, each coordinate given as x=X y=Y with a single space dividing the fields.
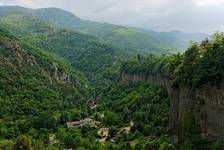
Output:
x=131 y=39
x=85 y=52
x=126 y=37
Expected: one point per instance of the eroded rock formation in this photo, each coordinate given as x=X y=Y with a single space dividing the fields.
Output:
x=205 y=102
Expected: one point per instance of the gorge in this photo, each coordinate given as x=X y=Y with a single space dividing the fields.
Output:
x=64 y=79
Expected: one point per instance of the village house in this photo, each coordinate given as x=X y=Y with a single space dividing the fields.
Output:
x=127 y=129
x=87 y=121
x=103 y=132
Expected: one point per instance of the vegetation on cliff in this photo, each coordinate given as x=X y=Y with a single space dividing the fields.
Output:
x=201 y=63
x=56 y=68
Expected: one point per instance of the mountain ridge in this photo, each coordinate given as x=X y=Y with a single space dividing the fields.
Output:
x=132 y=39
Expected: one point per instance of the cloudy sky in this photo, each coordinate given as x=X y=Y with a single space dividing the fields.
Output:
x=162 y=15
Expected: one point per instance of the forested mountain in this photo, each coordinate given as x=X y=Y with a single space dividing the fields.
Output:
x=91 y=46
x=71 y=83
x=132 y=40
x=40 y=93
x=25 y=69
x=36 y=88
x=87 y=53
x=45 y=90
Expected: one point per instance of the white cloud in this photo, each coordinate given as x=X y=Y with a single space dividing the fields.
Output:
x=209 y=3
x=187 y=15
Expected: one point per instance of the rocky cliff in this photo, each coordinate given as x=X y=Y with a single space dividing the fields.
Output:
x=24 y=66
x=205 y=103
x=16 y=57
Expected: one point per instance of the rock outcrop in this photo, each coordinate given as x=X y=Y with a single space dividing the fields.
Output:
x=60 y=75
x=15 y=56
x=205 y=102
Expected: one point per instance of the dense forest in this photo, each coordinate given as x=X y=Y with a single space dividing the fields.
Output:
x=61 y=86
x=199 y=64
x=38 y=97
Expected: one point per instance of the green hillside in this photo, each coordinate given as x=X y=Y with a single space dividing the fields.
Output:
x=39 y=93
x=56 y=68
x=89 y=54
x=133 y=40
x=34 y=85
x=50 y=92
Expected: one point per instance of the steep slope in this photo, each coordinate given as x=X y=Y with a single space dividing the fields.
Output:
x=89 y=54
x=32 y=80
x=133 y=40
x=83 y=51
x=194 y=82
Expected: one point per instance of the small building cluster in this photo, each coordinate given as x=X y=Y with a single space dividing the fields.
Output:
x=102 y=132
x=83 y=122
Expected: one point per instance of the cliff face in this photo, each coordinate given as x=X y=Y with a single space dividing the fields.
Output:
x=206 y=103
x=16 y=57
x=23 y=66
